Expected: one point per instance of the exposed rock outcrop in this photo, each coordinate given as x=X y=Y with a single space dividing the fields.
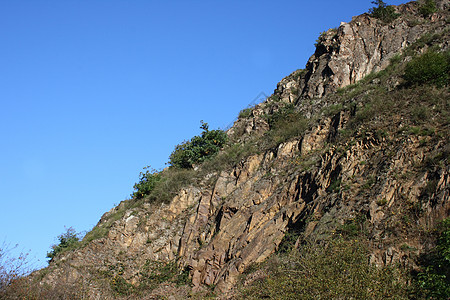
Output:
x=348 y=53
x=215 y=231
x=343 y=56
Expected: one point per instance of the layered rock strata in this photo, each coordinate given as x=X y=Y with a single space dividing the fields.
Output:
x=215 y=231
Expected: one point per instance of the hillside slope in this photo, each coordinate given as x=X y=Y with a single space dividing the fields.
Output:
x=345 y=145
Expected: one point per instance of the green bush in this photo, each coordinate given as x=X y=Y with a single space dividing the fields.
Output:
x=339 y=269
x=245 y=113
x=68 y=240
x=383 y=12
x=429 y=68
x=427 y=8
x=146 y=184
x=199 y=148
x=434 y=281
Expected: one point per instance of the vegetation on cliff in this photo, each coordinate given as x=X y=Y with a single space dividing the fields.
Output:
x=373 y=232
x=67 y=241
x=198 y=149
x=384 y=12
x=340 y=267
x=433 y=280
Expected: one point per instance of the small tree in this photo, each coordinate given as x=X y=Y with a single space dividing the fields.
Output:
x=383 y=12
x=147 y=182
x=199 y=148
x=12 y=266
x=67 y=241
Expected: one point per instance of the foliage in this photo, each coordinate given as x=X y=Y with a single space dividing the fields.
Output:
x=102 y=228
x=120 y=286
x=299 y=74
x=429 y=68
x=24 y=288
x=428 y=39
x=151 y=275
x=335 y=186
x=338 y=269
x=383 y=12
x=16 y=284
x=12 y=267
x=229 y=157
x=146 y=184
x=332 y=110
x=154 y=273
x=323 y=35
x=154 y=187
x=67 y=241
x=284 y=124
x=275 y=98
x=353 y=227
x=434 y=280
x=427 y=8
x=198 y=149
x=321 y=38
x=245 y=113
x=172 y=180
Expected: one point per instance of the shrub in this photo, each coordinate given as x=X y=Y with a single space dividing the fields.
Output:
x=427 y=8
x=12 y=267
x=199 y=148
x=339 y=269
x=333 y=109
x=172 y=180
x=429 y=68
x=68 y=240
x=321 y=38
x=383 y=12
x=284 y=124
x=24 y=288
x=434 y=281
x=353 y=227
x=154 y=273
x=16 y=284
x=245 y=113
x=146 y=184
x=229 y=156
x=427 y=39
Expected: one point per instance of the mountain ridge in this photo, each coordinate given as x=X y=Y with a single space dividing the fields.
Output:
x=331 y=147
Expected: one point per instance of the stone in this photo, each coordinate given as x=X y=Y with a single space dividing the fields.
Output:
x=217 y=229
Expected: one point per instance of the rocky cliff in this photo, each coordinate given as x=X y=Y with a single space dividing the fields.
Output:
x=360 y=150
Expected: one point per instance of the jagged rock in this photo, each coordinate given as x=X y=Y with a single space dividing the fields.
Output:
x=355 y=49
x=343 y=56
x=217 y=230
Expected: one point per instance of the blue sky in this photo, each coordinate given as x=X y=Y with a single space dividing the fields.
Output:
x=93 y=91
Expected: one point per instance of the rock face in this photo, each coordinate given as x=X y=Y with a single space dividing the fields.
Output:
x=215 y=231
x=346 y=54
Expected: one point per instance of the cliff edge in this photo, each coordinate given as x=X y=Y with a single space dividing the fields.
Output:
x=343 y=141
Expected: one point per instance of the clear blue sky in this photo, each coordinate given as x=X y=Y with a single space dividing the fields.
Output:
x=93 y=91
